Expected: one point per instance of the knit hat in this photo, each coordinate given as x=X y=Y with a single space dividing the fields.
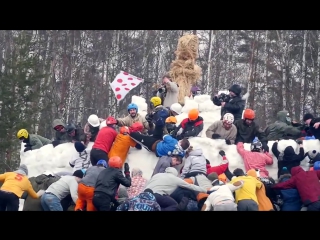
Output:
x=148 y=190
x=122 y=192
x=285 y=171
x=103 y=163
x=312 y=154
x=79 y=146
x=238 y=172
x=23 y=168
x=136 y=172
x=78 y=174
x=307 y=116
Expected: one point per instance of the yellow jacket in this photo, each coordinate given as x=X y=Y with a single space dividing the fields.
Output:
x=248 y=190
x=17 y=184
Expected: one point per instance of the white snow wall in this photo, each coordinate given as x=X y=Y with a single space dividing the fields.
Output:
x=57 y=159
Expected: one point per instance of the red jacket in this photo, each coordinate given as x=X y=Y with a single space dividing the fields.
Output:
x=105 y=139
x=255 y=160
x=306 y=182
x=218 y=169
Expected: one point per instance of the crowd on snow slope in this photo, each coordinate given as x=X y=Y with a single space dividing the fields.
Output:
x=98 y=184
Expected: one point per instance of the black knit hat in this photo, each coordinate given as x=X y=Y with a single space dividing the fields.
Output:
x=235 y=89
x=238 y=172
x=78 y=174
x=307 y=116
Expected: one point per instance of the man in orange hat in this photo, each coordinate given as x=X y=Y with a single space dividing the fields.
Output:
x=191 y=126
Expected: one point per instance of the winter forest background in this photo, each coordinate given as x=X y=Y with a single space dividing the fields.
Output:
x=51 y=74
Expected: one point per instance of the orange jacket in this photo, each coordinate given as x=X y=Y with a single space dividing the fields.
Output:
x=17 y=184
x=121 y=146
x=264 y=202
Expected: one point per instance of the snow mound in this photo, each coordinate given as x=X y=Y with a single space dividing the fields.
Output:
x=57 y=159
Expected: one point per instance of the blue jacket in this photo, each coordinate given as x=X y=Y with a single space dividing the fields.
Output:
x=309 y=138
x=169 y=146
x=145 y=201
x=290 y=197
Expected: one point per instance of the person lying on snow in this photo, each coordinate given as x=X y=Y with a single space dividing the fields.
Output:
x=224 y=129
x=41 y=182
x=144 y=201
x=86 y=187
x=281 y=127
x=170 y=126
x=288 y=158
x=165 y=147
x=264 y=203
x=221 y=196
x=123 y=142
x=307 y=184
x=247 y=130
x=14 y=184
x=92 y=127
x=133 y=117
x=195 y=163
x=157 y=114
x=246 y=197
x=220 y=169
x=175 y=109
x=138 y=183
x=290 y=199
x=82 y=159
x=167 y=161
x=108 y=182
x=256 y=158
x=164 y=184
x=191 y=126
x=313 y=124
x=104 y=141
x=51 y=199
x=32 y=141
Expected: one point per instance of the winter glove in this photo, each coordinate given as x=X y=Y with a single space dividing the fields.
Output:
x=299 y=141
x=265 y=147
x=207 y=161
x=228 y=142
x=55 y=143
x=27 y=149
x=126 y=169
x=24 y=195
x=215 y=136
x=40 y=192
x=138 y=146
x=222 y=153
x=149 y=117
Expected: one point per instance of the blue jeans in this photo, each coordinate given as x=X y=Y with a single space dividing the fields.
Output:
x=50 y=202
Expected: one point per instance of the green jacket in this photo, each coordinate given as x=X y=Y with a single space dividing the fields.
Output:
x=40 y=182
x=281 y=128
x=37 y=141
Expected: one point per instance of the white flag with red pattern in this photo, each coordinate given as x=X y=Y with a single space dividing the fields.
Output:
x=123 y=83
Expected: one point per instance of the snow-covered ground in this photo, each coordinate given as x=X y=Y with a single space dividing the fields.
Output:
x=57 y=159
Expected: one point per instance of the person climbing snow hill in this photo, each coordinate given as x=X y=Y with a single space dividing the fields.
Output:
x=32 y=141
x=157 y=114
x=224 y=129
x=166 y=147
x=167 y=161
x=138 y=183
x=91 y=128
x=194 y=164
x=86 y=187
x=220 y=169
x=61 y=135
x=256 y=158
x=191 y=126
x=170 y=126
x=307 y=184
x=133 y=117
x=144 y=201
x=14 y=184
x=288 y=158
x=313 y=124
x=82 y=159
x=108 y=182
x=123 y=142
x=104 y=141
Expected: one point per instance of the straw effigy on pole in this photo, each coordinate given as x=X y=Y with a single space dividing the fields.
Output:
x=183 y=70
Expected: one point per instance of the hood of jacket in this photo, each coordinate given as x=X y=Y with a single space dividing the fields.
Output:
x=57 y=122
x=196 y=152
x=289 y=151
x=172 y=171
x=252 y=173
x=282 y=116
x=296 y=170
x=147 y=196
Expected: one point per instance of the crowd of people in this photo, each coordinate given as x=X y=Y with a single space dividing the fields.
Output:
x=102 y=181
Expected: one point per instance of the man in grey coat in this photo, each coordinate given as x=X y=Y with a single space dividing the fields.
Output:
x=164 y=184
x=166 y=161
x=168 y=92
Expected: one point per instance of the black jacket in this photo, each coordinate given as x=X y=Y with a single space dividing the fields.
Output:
x=190 y=128
x=109 y=180
x=315 y=132
x=235 y=106
x=246 y=133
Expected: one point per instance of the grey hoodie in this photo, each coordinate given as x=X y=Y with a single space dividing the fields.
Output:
x=166 y=183
x=163 y=163
x=195 y=162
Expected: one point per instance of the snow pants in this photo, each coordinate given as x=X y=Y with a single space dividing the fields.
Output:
x=98 y=154
x=8 y=201
x=247 y=205
x=148 y=142
x=102 y=201
x=85 y=196
x=166 y=202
